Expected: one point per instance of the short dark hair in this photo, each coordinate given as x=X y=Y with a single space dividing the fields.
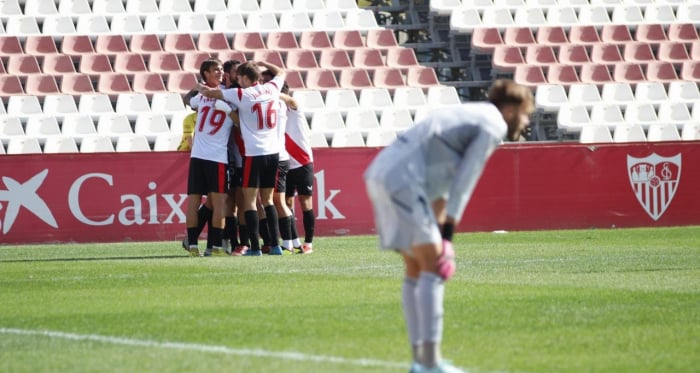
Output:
x=208 y=64
x=505 y=91
x=249 y=69
x=228 y=65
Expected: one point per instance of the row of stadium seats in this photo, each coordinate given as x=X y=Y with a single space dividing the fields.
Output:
x=572 y=118
x=111 y=7
x=636 y=133
x=467 y=19
x=164 y=23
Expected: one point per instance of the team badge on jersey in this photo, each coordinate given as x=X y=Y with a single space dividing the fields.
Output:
x=654 y=180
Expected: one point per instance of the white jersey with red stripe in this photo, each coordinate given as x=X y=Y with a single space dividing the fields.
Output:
x=281 y=129
x=297 y=139
x=258 y=112
x=211 y=131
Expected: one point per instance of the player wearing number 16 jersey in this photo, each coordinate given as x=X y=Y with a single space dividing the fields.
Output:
x=208 y=161
x=258 y=112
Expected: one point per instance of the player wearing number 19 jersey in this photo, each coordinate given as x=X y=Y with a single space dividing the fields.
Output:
x=208 y=161
x=257 y=109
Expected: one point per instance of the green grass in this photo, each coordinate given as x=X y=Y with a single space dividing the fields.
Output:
x=625 y=300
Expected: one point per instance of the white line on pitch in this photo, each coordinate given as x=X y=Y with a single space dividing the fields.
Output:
x=203 y=348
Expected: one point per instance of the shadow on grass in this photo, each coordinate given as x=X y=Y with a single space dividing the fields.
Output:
x=92 y=259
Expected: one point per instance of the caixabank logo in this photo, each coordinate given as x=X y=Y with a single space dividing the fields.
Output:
x=18 y=195
x=654 y=180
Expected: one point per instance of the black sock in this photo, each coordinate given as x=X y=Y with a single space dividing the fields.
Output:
x=244 y=235
x=271 y=213
x=192 y=235
x=214 y=237
x=309 y=225
x=252 y=220
x=264 y=231
x=231 y=230
x=203 y=217
x=285 y=225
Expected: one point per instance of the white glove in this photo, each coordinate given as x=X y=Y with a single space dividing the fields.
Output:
x=223 y=106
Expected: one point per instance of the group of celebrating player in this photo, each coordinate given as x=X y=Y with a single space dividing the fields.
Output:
x=249 y=156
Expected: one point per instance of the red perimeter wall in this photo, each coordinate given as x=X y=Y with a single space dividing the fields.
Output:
x=141 y=196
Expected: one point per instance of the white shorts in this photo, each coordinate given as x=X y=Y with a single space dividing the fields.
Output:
x=404 y=218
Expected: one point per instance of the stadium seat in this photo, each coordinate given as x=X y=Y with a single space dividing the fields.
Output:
x=145 y=43
x=549 y=97
x=397 y=119
x=281 y=41
x=401 y=57
x=690 y=131
x=381 y=39
x=40 y=45
x=641 y=113
x=229 y=23
x=167 y=103
x=652 y=92
x=518 y=36
x=594 y=15
x=113 y=84
x=443 y=95
x=497 y=16
x=573 y=54
x=58 y=25
x=533 y=16
x=421 y=76
x=95 y=104
x=584 y=34
x=607 y=114
x=375 y=98
x=106 y=7
x=348 y=40
x=114 y=125
x=619 y=93
x=309 y=101
x=94 y=64
x=606 y=54
x=506 y=58
x=677 y=113
x=629 y=133
x=77 y=45
x=180 y=44
x=129 y=63
x=9 y=45
x=639 y=52
x=23 y=106
x=231 y=55
x=42 y=126
x=341 y=99
x=658 y=13
x=328 y=20
x=540 y=55
x=92 y=25
x=485 y=39
x=410 y=98
x=23 y=145
x=11 y=8
x=690 y=71
x=688 y=13
x=682 y=32
x=529 y=76
x=650 y=33
x=78 y=126
x=381 y=137
x=309 y=5
x=627 y=14
x=301 y=59
x=572 y=118
x=262 y=22
x=276 y=6
x=163 y=63
x=96 y=144
x=363 y=119
x=584 y=94
x=60 y=144
x=212 y=42
x=673 y=51
x=142 y=6
x=59 y=105
x=663 y=132
x=561 y=74
x=334 y=59
x=554 y=36
x=132 y=143
x=661 y=71
x=58 y=65
x=193 y=23
x=318 y=140
x=160 y=23
x=360 y=19
x=182 y=81
x=388 y=77
x=248 y=42
x=126 y=23
x=132 y=104
x=294 y=21
x=10 y=126
x=23 y=65
x=167 y=142
x=269 y=56
x=683 y=91
x=562 y=16
x=347 y=138
x=193 y=61
x=22 y=26
x=41 y=84
x=295 y=80
x=354 y=78
x=628 y=72
x=595 y=134
x=327 y=122
x=314 y=41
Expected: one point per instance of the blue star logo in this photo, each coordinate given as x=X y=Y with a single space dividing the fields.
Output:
x=24 y=195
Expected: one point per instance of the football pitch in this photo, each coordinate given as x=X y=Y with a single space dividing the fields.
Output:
x=621 y=300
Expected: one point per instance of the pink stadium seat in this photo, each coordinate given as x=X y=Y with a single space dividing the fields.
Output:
x=355 y=78
x=334 y=59
x=388 y=77
x=270 y=56
x=381 y=38
x=248 y=42
x=179 y=43
x=638 y=52
x=182 y=81
x=314 y=40
x=113 y=84
x=661 y=71
x=321 y=79
x=673 y=51
x=10 y=45
x=421 y=76
x=22 y=65
x=76 y=84
x=628 y=72
x=541 y=55
x=529 y=76
x=95 y=64
x=583 y=35
x=594 y=73
x=505 y=58
x=41 y=85
x=145 y=43
x=518 y=36
x=562 y=74
x=163 y=63
x=573 y=54
x=10 y=85
x=301 y=59
x=682 y=32
x=486 y=39
x=231 y=55
x=39 y=45
x=348 y=40
x=281 y=41
x=294 y=79
x=401 y=57
x=129 y=63
x=111 y=44
x=192 y=61
x=606 y=54
x=148 y=83
x=77 y=45
x=552 y=36
x=57 y=64
x=690 y=70
x=213 y=42
x=694 y=50
x=369 y=58
x=615 y=33
x=650 y=33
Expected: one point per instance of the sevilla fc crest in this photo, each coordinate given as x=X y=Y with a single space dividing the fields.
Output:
x=654 y=180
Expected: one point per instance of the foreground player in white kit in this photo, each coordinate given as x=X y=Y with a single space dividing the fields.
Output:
x=422 y=182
